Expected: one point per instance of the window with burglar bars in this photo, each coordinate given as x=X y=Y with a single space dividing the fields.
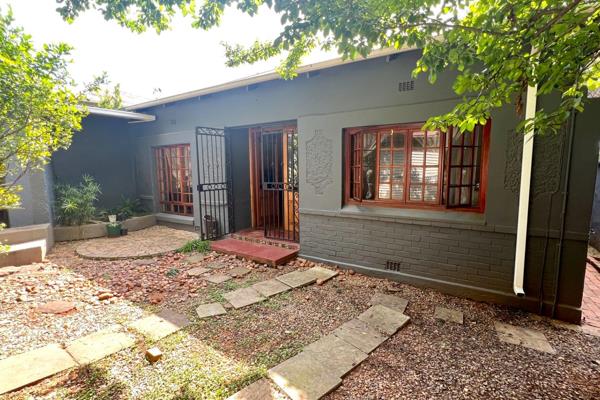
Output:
x=404 y=166
x=173 y=166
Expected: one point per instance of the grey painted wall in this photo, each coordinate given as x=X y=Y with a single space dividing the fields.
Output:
x=36 y=199
x=422 y=243
x=103 y=149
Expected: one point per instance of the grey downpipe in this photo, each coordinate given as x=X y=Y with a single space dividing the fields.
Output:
x=563 y=214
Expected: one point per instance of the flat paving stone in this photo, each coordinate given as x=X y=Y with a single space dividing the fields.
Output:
x=197 y=271
x=210 y=310
x=195 y=258
x=243 y=297
x=216 y=265
x=238 y=272
x=298 y=278
x=23 y=369
x=259 y=390
x=271 y=287
x=335 y=354
x=523 y=337
x=448 y=315
x=322 y=273
x=360 y=335
x=384 y=319
x=56 y=307
x=100 y=344
x=302 y=377
x=219 y=278
x=158 y=326
x=390 y=301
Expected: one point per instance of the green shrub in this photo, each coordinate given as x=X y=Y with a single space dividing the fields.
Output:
x=75 y=205
x=196 y=245
x=126 y=209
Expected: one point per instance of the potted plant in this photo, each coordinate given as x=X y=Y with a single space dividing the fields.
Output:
x=113 y=229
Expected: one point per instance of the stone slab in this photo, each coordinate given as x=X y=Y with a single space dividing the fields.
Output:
x=298 y=278
x=302 y=377
x=360 y=335
x=210 y=310
x=238 y=272
x=384 y=319
x=197 y=271
x=523 y=337
x=271 y=287
x=219 y=278
x=26 y=368
x=216 y=265
x=243 y=297
x=259 y=390
x=158 y=326
x=56 y=307
x=335 y=354
x=390 y=301
x=322 y=273
x=448 y=315
x=100 y=344
x=195 y=258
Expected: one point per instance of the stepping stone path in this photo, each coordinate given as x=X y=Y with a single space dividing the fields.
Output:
x=216 y=265
x=360 y=335
x=194 y=259
x=210 y=310
x=32 y=366
x=524 y=337
x=305 y=277
x=271 y=287
x=337 y=355
x=158 y=326
x=219 y=278
x=98 y=345
x=384 y=319
x=238 y=272
x=56 y=307
x=243 y=297
x=448 y=315
x=197 y=271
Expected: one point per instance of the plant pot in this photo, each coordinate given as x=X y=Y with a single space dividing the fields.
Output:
x=113 y=230
x=124 y=231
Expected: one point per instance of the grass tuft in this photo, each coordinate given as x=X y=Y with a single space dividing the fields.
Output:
x=196 y=245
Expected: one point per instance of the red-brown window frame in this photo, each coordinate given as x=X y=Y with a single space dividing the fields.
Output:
x=443 y=172
x=164 y=161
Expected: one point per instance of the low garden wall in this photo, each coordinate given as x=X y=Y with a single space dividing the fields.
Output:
x=98 y=229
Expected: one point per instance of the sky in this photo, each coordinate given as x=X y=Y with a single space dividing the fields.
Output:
x=175 y=61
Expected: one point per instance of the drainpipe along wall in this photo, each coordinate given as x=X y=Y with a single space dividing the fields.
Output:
x=524 y=192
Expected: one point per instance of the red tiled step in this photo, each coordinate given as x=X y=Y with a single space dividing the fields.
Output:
x=261 y=253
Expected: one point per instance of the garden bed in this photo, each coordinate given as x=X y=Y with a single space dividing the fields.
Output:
x=98 y=229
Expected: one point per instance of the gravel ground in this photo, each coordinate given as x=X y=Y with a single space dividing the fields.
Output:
x=213 y=358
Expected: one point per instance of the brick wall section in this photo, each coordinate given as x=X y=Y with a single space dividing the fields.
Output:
x=466 y=256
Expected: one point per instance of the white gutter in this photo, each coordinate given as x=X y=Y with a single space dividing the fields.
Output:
x=526 y=167
x=132 y=116
x=265 y=77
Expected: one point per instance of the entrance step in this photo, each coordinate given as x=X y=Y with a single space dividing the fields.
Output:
x=261 y=253
x=258 y=236
x=24 y=253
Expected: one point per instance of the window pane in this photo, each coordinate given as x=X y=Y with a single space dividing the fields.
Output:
x=464 y=196
x=467 y=156
x=384 y=175
x=399 y=157
x=369 y=141
x=418 y=139
x=398 y=140
x=384 y=191
x=433 y=156
x=386 y=140
x=456 y=156
x=431 y=193
x=455 y=176
x=457 y=137
x=369 y=182
x=453 y=198
x=433 y=139
x=466 y=176
x=417 y=156
x=475 y=197
x=468 y=138
x=416 y=193
x=369 y=158
x=431 y=175
x=385 y=157
x=397 y=191
x=398 y=174
x=416 y=174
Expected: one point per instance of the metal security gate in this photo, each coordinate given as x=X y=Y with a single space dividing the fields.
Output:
x=214 y=183
x=279 y=183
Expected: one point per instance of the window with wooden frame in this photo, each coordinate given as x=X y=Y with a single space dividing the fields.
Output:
x=174 y=174
x=405 y=166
